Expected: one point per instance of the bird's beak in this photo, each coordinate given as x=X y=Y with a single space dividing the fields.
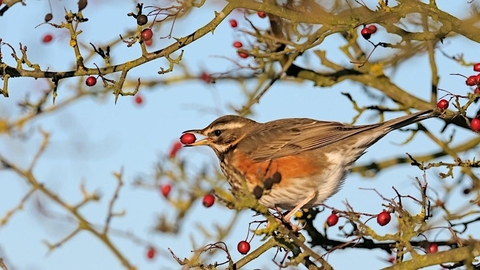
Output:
x=203 y=141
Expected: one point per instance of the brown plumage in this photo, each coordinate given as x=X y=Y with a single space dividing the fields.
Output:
x=294 y=162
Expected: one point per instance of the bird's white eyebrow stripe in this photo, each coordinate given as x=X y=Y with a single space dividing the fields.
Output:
x=231 y=125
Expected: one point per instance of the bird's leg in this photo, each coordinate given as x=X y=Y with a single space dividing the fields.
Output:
x=287 y=217
x=279 y=216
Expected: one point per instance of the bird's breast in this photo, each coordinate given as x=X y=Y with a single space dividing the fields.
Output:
x=282 y=170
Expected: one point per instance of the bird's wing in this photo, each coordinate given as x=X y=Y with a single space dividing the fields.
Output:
x=290 y=136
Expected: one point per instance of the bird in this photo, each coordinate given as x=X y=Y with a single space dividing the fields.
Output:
x=292 y=163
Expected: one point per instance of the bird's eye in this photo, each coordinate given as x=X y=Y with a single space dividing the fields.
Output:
x=217 y=132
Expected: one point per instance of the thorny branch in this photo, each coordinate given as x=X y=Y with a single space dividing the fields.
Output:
x=294 y=31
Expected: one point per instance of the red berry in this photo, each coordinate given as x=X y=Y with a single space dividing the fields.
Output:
x=476 y=91
x=432 y=248
x=366 y=33
x=165 y=190
x=261 y=14
x=243 y=247
x=138 y=99
x=442 y=104
x=206 y=77
x=174 y=150
x=208 y=200
x=233 y=23
x=237 y=44
x=475 y=124
x=373 y=28
x=472 y=80
x=476 y=67
x=188 y=138
x=243 y=55
x=146 y=34
x=391 y=259
x=383 y=218
x=151 y=253
x=91 y=81
x=47 y=38
x=149 y=42
x=332 y=220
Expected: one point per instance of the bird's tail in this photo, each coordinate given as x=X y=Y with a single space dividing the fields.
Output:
x=408 y=119
x=384 y=128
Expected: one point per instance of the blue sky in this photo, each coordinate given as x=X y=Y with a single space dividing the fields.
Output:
x=94 y=137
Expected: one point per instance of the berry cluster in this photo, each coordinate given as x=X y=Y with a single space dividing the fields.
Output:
x=237 y=44
x=383 y=218
x=208 y=199
x=472 y=80
x=368 y=31
x=142 y=19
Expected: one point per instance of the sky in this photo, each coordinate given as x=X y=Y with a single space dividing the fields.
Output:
x=94 y=137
